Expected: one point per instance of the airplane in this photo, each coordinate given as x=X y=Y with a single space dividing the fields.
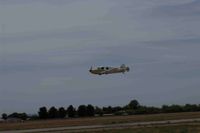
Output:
x=109 y=70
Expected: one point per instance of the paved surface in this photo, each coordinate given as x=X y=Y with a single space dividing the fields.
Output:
x=123 y=125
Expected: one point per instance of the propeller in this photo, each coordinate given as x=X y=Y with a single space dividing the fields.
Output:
x=127 y=69
x=90 y=69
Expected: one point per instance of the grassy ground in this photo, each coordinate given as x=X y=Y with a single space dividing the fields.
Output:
x=95 y=121
x=181 y=128
x=170 y=128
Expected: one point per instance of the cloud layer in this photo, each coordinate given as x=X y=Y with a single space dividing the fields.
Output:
x=47 y=48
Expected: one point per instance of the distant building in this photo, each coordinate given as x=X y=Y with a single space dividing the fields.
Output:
x=107 y=114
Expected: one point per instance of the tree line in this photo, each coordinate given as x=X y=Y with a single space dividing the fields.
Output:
x=132 y=108
x=71 y=111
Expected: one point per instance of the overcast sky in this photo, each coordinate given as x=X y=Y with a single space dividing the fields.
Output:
x=47 y=47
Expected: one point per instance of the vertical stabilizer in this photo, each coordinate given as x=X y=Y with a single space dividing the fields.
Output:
x=122 y=66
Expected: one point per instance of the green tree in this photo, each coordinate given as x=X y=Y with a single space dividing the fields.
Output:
x=22 y=116
x=116 y=109
x=172 y=108
x=4 y=116
x=108 y=110
x=43 y=114
x=134 y=104
x=71 y=111
x=176 y=108
x=62 y=112
x=190 y=107
x=90 y=110
x=165 y=108
x=98 y=111
x=53 y=112
x=82 y=111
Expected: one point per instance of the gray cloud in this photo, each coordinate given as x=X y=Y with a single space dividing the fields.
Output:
x=186 y=9
x=52 y=2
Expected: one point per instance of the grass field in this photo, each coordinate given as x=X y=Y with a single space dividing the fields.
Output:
x=95 y=121
x=170 y=128
x=182 y=128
